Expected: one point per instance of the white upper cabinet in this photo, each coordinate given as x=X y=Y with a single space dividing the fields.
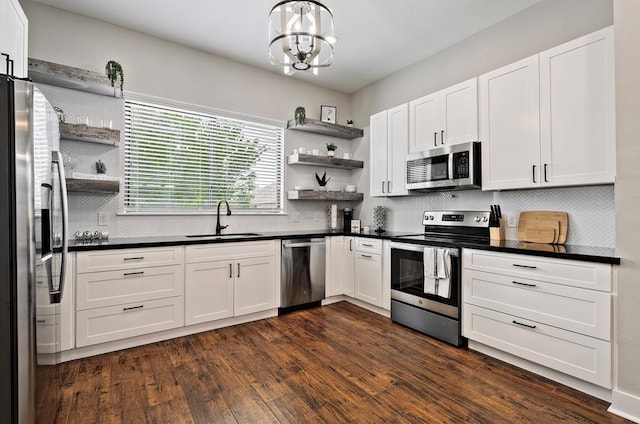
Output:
x=13 y=37
x=449 y=116
x=510 y=125
x=549 y=120
x=577 y=111
x=389 y=141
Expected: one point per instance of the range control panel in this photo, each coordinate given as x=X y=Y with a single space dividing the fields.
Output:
x=456 y=218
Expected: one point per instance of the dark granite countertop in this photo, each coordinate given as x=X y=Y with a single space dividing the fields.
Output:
x=567 y=251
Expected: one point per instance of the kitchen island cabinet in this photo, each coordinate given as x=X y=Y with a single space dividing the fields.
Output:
x=231 y=279
x=549 y=120
x=553 y=313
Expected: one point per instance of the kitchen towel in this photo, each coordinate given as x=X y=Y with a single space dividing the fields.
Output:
x=436 y=272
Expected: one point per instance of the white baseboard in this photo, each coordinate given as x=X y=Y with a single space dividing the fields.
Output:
x=625 y=405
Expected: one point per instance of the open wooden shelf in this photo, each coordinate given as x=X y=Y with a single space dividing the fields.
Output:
x=324 y=161
x=79 y=185
x=81 y=132
x=325 y=128
x=69 y=77
x=324 y=195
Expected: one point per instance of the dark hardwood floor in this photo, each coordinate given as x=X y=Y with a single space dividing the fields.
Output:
x=331 y=364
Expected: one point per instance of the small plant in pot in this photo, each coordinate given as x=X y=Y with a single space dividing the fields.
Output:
x=350 y=122
x=322 y=182
x=331 y=149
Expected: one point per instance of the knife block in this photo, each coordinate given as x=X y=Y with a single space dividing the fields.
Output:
x=497 y=233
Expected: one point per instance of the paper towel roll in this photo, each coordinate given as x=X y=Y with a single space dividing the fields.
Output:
x=333 y=216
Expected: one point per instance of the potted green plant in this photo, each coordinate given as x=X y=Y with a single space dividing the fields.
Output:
x=114 y=71
x=322 y=182
x=331 y=149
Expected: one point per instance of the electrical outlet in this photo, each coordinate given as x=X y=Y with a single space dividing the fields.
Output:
x=103 y=219
x=296 y=218
x=511 y=220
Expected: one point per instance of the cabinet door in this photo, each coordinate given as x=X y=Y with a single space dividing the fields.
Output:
x=348 y=268
x=368 y=278
x=13 y=36
x=577 y=111
x=208 y=291
x=335 y=265
x=397 y=145
x=510 y=126
x=460 y=113
x=425 y=122
x=378 y=154
x=255 y=285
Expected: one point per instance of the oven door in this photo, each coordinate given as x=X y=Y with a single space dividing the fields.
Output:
x=407 y=279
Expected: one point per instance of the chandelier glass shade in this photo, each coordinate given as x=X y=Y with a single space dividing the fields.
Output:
x=301 y=34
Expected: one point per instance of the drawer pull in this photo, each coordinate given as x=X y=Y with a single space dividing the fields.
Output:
x=525 y=266
x=134 y=258
x=523 y=284
x=41 y=321
x=367 y=245
x=523 y=325
x=366 y=256
x=129 y=308
x=133 y=273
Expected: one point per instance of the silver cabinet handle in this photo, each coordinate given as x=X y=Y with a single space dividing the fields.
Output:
x=525 y=266
x=367 y=245
x=41 y=321
x=366 y=256
x=388 y=187
x=230 y=270
x=351 y=245
x=130 y=308
x=238 y=269
x=133 y=273
x=134 y=258
x=523 y=284
x=523 y=325
x=383 y=187
x=442 y=137
x=545 y=173
x=435 y=139
x=533 y=175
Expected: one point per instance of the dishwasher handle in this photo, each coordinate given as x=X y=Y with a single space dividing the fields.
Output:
x=290 y=245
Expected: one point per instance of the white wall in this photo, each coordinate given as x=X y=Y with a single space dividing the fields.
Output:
x=627 y=320
x=160 y=68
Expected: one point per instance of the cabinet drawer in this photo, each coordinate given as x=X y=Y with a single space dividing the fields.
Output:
x=368 y=245
x=588 y=275
x=136 y=319
x=47 y=338
x=100 y=289
x=109 y=260
x=583 y=311
x=580 y=356
x=212 y=252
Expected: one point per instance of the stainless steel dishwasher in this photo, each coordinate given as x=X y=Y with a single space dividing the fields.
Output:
x=303 y=272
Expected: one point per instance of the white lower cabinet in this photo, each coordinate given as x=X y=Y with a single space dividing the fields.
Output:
x=552 y=312
x=368 y=270
x=128 y=292
x=354 y=269
x=230 y=279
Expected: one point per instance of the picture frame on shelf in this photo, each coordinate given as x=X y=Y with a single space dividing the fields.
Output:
x=328 y=114
x=355 y=226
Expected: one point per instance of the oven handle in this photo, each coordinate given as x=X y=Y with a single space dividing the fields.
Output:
x=420 y=248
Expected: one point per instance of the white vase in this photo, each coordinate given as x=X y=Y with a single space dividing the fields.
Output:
x=331 y=153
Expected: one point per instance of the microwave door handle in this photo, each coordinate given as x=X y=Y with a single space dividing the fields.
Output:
x=450 y=166
x=55 y=295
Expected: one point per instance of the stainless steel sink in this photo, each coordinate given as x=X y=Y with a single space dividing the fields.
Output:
x=223 y=236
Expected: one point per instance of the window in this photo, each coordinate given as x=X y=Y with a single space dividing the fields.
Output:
x=182 y=161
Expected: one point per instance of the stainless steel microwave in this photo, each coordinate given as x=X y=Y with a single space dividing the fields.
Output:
x=455 y=167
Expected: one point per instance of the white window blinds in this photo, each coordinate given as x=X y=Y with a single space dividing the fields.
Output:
x=178 y=161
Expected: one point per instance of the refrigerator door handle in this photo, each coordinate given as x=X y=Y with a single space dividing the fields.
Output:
x=56 y=295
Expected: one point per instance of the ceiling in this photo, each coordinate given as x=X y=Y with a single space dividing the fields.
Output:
x=376 y=37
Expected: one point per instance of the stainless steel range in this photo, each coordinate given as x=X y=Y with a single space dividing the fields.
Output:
x=426 y=272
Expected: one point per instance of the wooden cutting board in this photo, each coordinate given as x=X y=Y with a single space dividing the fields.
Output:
x=531 y=220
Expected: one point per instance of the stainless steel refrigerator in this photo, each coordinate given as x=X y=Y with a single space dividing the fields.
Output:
x=33 y=236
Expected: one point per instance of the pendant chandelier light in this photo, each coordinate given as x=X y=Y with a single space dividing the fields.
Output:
x=301 y=34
